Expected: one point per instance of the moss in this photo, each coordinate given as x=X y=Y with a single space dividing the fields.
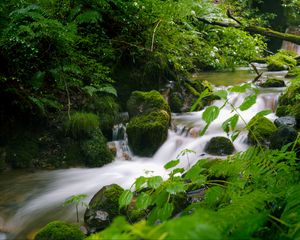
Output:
x=58 y=230
x=282 y=60
x=82 y=125
x=146 y=133
x=219 y=146
x=282 y=111
x=145 y=102
x=290 y=96
x=273 y=82
x=293 y=73
x=260 y=130
x=176 y=102
x=22 y=150
x=95 y=150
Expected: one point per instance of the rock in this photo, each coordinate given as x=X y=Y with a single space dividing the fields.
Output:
x=283 y=60
x=58 y=230
x=176 y=102
x=103 y=207
x=290 y=96
x=112 y=148
x=146 y=133
x=260 y=130
x=289 y=121
x=272 y=82
x=282 y=136
x=146 y=102
x=219 y=146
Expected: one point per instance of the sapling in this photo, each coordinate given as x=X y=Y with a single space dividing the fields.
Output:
x=77 y=199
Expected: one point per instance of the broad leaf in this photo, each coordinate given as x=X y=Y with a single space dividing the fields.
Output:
x=125 y=198
x=210 y=114
x=240 y=89
x=204 y=94
x=221 y=93
x=139 y=182
x=161 y=213
x=175 y=187
x=143 y=201
x=264 y=112
x=155 y=182
x=248 y=102
x=171 y=164
x=230 y=123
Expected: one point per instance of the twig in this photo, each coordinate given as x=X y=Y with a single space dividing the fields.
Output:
x=153 y=35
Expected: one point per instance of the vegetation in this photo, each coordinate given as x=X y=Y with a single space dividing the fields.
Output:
x=58 y=230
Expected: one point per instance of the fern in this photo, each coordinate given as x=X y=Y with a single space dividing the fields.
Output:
x=88 y=17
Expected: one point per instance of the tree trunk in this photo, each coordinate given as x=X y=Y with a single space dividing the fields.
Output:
x=255 y=29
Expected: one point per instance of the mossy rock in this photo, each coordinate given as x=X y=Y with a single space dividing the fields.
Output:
x=273 y=83
x=293 y=73
x=95 y=150
x=58 y=230
x=82 y=125
x=145 y=102
x=260 y=130
x=219 y=146
x=146 y=133
x=290 y=96
x=282 y=111
x=103 y=207
x=22 y=150
x=283 y=60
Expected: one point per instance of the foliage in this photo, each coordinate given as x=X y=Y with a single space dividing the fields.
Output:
x=82 y=125
x=282 y=60
x=58 y=230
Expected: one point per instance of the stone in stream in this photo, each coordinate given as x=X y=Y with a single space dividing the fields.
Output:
x=272 y=83
x=219 y=146
x=103 y=207
x=289 y=121
x=282 y=136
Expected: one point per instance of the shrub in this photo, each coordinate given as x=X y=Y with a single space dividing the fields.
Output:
x=82 y=125
x=58 y=230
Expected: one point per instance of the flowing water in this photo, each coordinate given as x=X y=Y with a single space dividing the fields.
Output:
x=30 y=200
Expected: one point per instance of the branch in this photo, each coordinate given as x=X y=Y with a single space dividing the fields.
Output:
x=255 y=29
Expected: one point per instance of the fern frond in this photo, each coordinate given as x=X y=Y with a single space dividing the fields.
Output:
x=88 y=17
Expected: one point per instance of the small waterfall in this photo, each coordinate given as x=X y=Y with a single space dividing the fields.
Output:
x=292 y=46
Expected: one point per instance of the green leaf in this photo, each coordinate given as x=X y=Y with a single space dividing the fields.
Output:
x=177 y=170
x=175 y=187
x=193 y=173
x=125 y=198
x=204 y=94
x=143 y=201
x=240 y=89
x=235 y=134
x=264 y=112
x=171 y=164
x=230 y=123
x=161 y=213
x=210 y=114
x=155 y=182
x=221 y=93
x=248 y=102
x=139 y=182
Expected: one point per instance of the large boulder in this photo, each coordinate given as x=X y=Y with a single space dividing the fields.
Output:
x=219 y=146
x=145 y=102
x=282 y=136
x=289 y=121
x=58 y=230
x=272 y=83
x=260 y=130
x=103 y=207
x=146 y=133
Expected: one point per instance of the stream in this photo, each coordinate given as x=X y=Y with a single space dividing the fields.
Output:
x=30 y=200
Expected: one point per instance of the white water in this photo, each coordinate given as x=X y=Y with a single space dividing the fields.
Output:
x=47 y=190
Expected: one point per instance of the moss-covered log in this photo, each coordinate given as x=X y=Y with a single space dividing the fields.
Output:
x=256 y=29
